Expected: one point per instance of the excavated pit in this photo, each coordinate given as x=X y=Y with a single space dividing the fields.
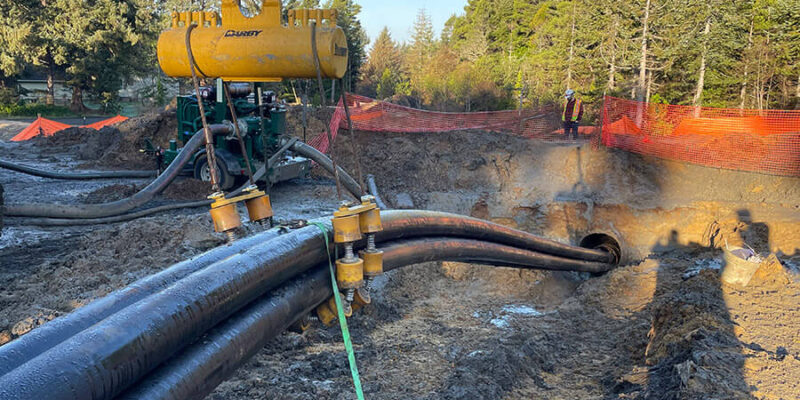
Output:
x=661 y=326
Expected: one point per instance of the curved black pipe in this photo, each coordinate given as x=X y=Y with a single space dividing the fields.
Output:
x=315 y=155
x=373 y=189
x=76 y=175
x=397 y=224
x=198 y=369
x=416 y=223
x=109 y=220
x=119 y=206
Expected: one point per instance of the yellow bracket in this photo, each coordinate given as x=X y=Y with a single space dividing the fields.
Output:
x=220 y=200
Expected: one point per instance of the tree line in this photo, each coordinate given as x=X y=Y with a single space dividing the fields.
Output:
x=514 y=53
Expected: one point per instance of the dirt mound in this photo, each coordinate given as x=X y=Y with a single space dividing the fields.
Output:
x=159 y=128
x=83 y=143
x=110 y=193
x=187 y=189
x=317 y=118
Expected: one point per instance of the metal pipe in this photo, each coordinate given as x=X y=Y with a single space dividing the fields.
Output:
x=120 y=206
x=76 y=175
x=198 y=369
x=373 y=189
x=315 y=155
x=397 y=224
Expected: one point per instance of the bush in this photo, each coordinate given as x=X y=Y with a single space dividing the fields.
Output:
x=31 y=110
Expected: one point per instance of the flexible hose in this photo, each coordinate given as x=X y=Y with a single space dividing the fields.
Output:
x=108 y=220
x=373 y=189
x=397 y=225
x=198 y=369
x=315 y=155
x=88 y=211
x=76 y=175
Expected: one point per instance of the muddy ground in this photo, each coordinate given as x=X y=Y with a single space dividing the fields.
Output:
x=662 y=326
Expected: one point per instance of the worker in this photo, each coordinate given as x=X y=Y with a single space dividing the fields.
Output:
x=572 y=114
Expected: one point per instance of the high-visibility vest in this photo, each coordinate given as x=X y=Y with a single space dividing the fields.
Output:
x=575 y=110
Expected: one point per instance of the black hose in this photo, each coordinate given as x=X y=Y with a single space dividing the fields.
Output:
x=198 y=369
x=120 y=206
x=109 y=220
x=397 y=224
x=373 y=190
x=315 y=155
x=76 y=175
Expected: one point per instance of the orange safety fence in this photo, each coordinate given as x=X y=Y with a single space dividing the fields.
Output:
x=46 y=127
x=766 y=141
x=372 y=115
x=41 y=126
x=106 y=122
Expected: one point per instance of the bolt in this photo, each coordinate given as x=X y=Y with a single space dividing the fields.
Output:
x=231 y=236
x=368 y=283
x=350 y=295
x=371 y=242
x=348 y=252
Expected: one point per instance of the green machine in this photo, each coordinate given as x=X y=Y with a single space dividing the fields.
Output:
x=262 y=124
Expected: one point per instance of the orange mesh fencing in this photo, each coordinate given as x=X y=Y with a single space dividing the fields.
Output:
x=372 y=115
x=766 y=141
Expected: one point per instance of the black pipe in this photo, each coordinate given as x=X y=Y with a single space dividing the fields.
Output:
x=108 y=220
x=198 y=369
x=397 y=224
x=373 y=189
x=108 y=357
x=315 y=155
x=416 y=223
x=37 y=341
x=120 y=206
x=76 y=175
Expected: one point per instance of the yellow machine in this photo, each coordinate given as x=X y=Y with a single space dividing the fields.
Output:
x=254 y=49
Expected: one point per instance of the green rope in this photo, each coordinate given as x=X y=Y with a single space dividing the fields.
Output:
x=348 y=345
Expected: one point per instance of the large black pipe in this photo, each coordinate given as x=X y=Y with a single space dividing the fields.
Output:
x=39 y=340
x=397 y=224
x=198 y=369
x=120 y=206
x=76 y=175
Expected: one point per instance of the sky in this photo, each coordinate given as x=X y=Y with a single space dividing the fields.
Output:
x=399 y=15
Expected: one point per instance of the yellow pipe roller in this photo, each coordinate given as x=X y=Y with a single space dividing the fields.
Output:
x=254 y=49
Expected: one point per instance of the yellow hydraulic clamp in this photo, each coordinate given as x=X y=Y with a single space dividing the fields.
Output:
x=349 y=269
x=361 y=299
x=254 y=49
x=349 y=222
